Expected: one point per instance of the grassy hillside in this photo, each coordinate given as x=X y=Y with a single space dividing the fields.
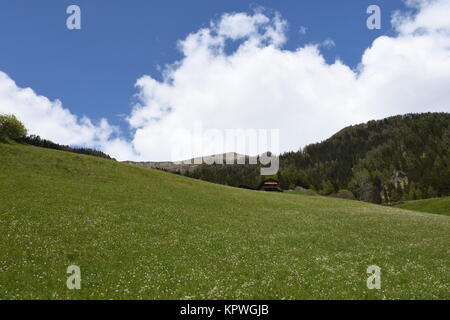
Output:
x=142 y=233
x=435 y=205
x=305 y=192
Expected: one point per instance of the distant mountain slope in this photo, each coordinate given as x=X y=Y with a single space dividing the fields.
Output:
x=435 y=205
x=403 y=157
x=139 y=233
x=189 y=165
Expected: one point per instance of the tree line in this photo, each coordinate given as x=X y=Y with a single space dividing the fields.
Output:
x=35 y=140
x=11 y=129
x=404 y=157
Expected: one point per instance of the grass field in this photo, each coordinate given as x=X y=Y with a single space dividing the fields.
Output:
x=142 y=233
x=436 y=205
x=306 y=192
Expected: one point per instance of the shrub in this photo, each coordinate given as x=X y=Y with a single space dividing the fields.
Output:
x=344 y=194
x=327 y=188
x=11 y=128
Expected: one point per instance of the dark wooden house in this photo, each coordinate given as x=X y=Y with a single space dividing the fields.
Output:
x=271 y=185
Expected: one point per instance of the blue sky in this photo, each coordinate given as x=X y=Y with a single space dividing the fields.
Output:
x=306 y=90
x=93 y=70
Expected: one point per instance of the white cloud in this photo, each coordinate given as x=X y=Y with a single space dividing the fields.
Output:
x=328 y=43
x=260 y=85
x=433 y=16
x=53 y=122
x=239 y=25
x=302 y=30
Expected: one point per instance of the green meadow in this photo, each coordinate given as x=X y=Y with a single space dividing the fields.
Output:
x=435 y=205
x=305 y=192
x=147 y=234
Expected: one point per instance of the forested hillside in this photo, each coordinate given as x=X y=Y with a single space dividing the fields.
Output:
x=403 y=157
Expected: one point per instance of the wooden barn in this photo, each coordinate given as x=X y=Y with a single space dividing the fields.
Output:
x=270 y=185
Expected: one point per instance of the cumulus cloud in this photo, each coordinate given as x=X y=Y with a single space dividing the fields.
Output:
x=261 y=85
x=257 y=84
x=431 y=17
x=51 y=121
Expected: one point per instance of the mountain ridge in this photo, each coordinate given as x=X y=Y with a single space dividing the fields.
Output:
x=403 y=157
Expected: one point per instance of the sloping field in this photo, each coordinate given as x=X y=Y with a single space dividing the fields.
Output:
x=436 y=205
x=141 y=233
